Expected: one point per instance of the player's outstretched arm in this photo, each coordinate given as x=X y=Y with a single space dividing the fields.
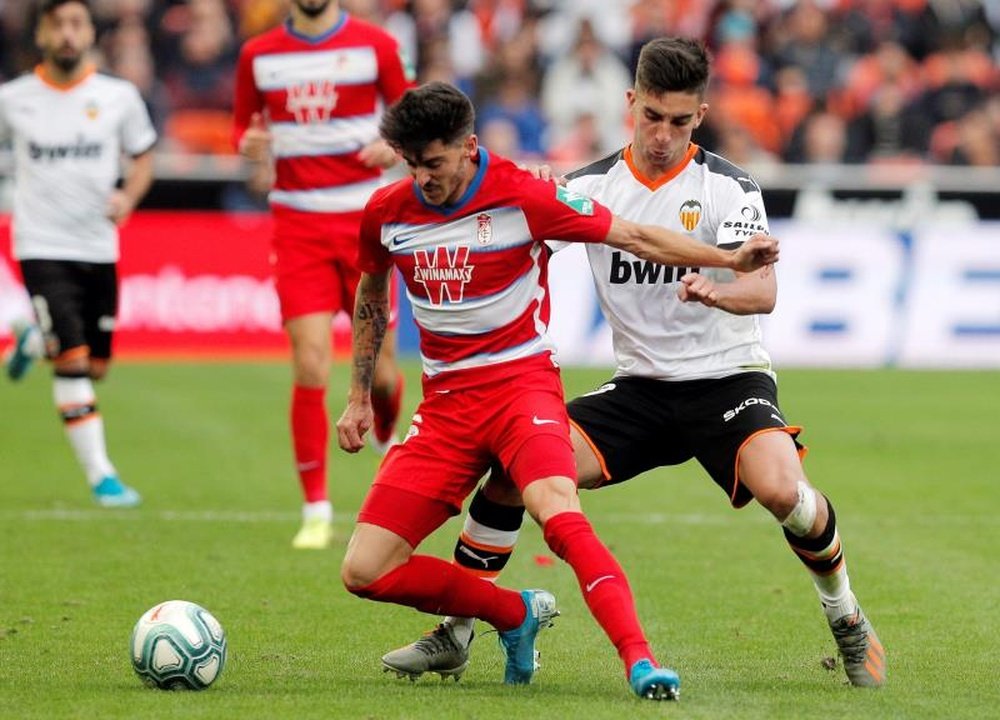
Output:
x=667 y=247
x=749 y=294
x=371 y=320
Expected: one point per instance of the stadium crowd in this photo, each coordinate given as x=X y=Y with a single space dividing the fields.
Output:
x=801 y=81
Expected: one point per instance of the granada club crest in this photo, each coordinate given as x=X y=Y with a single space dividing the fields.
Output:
x=690 y=214
x=484 y=229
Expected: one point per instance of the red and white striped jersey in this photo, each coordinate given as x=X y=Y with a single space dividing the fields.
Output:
x=321 y=96
x=476 y=271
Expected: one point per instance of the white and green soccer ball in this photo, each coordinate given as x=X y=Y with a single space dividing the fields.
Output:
x=178 y=645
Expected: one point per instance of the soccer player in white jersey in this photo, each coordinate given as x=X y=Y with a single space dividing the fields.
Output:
x=70 y=127
x=307 y=101
x=467 y=233
x=693 y=380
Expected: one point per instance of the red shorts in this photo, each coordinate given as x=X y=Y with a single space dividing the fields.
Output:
x=314 y=263
x=455 y=436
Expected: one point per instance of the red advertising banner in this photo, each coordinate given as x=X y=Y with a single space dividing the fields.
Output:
x=191 y=284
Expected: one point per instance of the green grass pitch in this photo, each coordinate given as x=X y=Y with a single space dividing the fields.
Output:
x=910 y=460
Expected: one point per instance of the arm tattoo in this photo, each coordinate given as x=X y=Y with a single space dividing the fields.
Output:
x=371 y=321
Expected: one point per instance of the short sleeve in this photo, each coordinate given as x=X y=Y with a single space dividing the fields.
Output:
x=247 y=100
x=4 y=126
x=743 y=216
x=373 y=257
x=138 y=135
x=395 y=71
x=558 y=213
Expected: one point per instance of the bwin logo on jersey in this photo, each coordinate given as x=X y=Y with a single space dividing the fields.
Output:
x=443 y=274
x=690 y=214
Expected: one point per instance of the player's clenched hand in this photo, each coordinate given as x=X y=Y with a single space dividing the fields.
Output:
x=695 y=287
x=255 y=145
x=378 y=154
x=119 y=207
x=758 y=251
x=544 y=172
x=355 y=421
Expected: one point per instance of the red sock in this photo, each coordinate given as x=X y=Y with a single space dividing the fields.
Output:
x=440 y=588
x=310 y=430
x=603 y=582
x=386 y=407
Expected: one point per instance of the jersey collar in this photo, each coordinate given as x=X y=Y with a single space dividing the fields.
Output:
x=42 y=75
x=317 y=39
x=667 y=176
x=484 y=161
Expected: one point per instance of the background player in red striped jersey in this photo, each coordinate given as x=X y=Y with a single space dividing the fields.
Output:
x=467 y=233
x=70 y=126
x=308 y=97
x=693 y=380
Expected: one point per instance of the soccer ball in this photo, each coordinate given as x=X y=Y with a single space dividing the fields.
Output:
x=178 y=645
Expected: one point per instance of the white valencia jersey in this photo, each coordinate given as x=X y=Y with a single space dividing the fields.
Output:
x=68 y=142
x=655 y=335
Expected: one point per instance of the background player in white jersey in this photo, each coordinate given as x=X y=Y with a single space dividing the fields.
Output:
x=70 y=127
x=307 y=96
x=692 y=379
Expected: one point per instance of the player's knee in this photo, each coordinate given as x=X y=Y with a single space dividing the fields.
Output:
x=801 y=515
x=780 y=494
x=550 y=496
x=356 y=575
x=98 y=369
x=311 y=365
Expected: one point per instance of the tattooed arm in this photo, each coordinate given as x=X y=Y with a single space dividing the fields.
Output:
x=371 y=320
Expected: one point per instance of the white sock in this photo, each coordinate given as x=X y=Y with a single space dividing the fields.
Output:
x=321 y=509
x=75 y=399
x=462 y=628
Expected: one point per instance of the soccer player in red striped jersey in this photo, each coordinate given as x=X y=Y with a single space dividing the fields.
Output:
x=309 y=95
x=467 y=232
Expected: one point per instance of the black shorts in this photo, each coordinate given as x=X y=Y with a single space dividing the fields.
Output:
x=75 y=304
x=637 y=424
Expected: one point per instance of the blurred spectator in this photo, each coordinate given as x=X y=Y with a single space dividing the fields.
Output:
x=515 y=103
x=977 y=142
x=738 y=145
x=499 y=135
x=738 y=99
x=609 y=23
x=824 y=137
x=580 y=145
x=806 y=45
x=590 y=79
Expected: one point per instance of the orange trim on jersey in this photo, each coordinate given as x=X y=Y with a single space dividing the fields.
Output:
x=62 y=86
x=483 y=546
x=665 y=177
x=792 y=430
x=74 y=353
x=593 y=449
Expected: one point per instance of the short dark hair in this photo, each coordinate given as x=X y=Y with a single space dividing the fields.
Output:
x=435 y=111
x=673 y=64
x=46 y=7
